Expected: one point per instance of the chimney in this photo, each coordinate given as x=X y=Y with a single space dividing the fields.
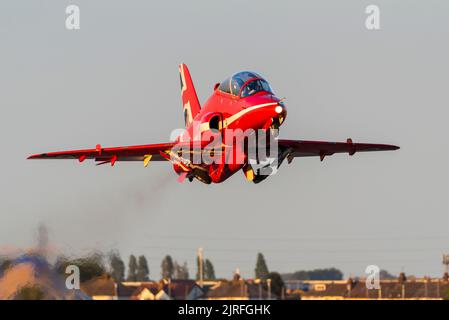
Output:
x=236 y=276
x=349 y=285
x=402 y=278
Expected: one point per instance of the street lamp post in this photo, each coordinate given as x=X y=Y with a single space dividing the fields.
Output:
x=269 y=288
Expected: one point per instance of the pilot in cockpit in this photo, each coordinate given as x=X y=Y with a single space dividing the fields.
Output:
x=244 y=84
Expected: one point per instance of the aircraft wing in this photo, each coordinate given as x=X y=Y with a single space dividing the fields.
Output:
x=303 y=148
x=160 y=152
x=145 y=153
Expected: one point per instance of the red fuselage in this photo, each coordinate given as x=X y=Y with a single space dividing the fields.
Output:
x=224 y=111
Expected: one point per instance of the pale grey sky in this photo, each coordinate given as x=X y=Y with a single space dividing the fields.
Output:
x=115 y=82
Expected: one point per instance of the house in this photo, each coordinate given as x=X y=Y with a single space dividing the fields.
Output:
x=126 y=289
x=238 y=289
x=184 y=290
x=100 y=288
x=391 y=289
x=150 y=291
x=162 y=290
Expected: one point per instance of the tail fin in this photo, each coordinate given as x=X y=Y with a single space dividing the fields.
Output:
x=190 y=103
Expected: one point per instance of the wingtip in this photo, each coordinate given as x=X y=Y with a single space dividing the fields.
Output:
x=389 y=147
x=34 y=156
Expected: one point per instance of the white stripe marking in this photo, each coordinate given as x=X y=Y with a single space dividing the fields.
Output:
x=239 y=114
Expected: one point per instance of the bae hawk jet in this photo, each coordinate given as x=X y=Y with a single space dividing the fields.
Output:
x=244 y=102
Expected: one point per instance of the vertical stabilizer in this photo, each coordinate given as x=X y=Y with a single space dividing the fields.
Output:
x=190 y=104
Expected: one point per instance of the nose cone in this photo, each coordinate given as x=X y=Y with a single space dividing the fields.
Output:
x=281 y=111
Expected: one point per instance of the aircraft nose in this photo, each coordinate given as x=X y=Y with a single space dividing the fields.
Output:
x=281 y=110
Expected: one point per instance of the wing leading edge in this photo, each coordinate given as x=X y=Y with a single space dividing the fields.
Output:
x=145 y=153
x=303 y=148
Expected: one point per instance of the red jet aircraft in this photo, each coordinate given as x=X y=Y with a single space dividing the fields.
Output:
x=241 y=102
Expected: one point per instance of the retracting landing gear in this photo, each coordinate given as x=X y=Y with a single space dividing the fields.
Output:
x=201 y=174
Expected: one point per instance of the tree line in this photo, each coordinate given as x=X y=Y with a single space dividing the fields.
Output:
x=96 y=264
x=138 y=269
x=316 y=274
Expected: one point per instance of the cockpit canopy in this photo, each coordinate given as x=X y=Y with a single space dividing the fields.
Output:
x=244 y=84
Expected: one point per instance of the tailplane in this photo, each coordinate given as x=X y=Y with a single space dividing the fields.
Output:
x=191 y=105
